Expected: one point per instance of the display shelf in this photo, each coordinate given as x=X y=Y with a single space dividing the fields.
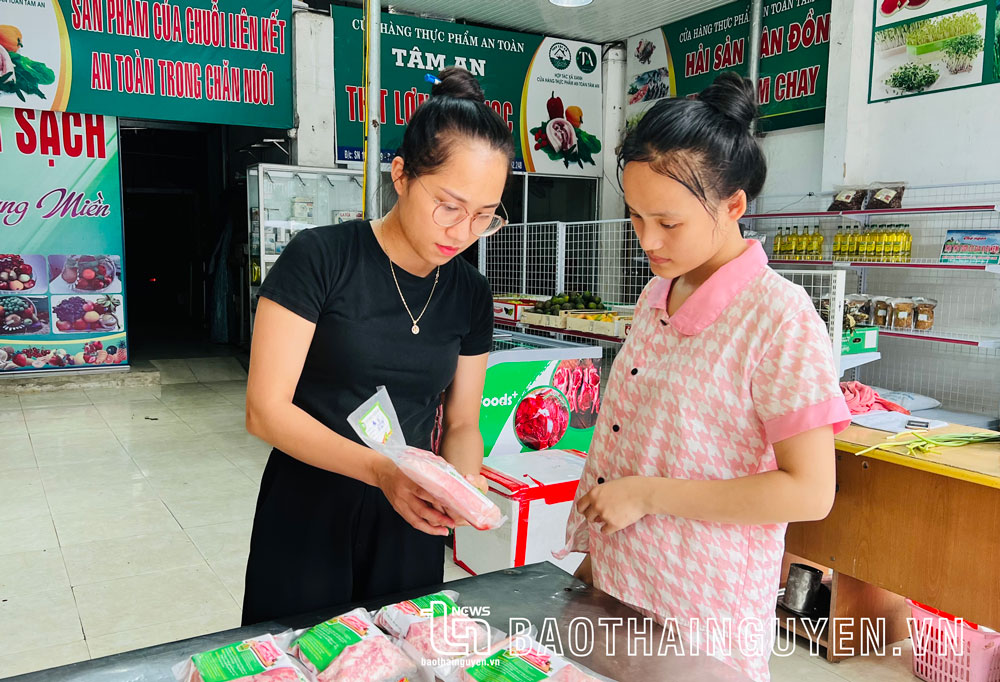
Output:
x=976 y=340
x=572 y=332
x=916 y=210
x=849 y=362
x=914 y=264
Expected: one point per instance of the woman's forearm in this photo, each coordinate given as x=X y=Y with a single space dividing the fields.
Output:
x=771 y=497
x=295 y=432
x=462 y=447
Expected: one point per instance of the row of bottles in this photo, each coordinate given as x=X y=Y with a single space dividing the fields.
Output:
x=875 y=243
x=793 y=244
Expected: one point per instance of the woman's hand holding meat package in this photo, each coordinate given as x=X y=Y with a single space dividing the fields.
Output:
x=413 y=503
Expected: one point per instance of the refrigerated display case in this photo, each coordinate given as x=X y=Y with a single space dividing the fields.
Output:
x=540 y=393
x=284 y=200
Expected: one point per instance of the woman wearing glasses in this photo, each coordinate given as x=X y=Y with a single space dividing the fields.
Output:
x=348 y=308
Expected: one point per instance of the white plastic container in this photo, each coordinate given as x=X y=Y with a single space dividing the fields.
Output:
x=535 y=491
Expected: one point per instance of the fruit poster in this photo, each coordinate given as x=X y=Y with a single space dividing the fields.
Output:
x=539 y=404
x=548 y=90
x=683 y=58
x=924 y=46
x=62 y=292
x=214 y=61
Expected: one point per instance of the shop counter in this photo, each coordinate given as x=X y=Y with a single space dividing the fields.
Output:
x=925 y=527
x=535 y=592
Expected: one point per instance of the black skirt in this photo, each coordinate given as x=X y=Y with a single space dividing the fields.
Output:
x=322 y=540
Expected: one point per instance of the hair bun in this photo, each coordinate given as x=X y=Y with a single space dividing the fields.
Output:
x=458 y=83
x=732 y=96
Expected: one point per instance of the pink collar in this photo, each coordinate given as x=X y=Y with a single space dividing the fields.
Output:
x=708 y=301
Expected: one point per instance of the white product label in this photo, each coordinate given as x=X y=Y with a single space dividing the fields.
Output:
x=885 y=195
x=845 y=196
x=882 y=312
x=902 y=315
x=922 y=317
x=871 y=338
x=376 y=425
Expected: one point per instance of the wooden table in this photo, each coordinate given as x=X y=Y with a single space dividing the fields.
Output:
x=925 y=527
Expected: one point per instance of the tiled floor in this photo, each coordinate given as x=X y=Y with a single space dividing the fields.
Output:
x=125 y=519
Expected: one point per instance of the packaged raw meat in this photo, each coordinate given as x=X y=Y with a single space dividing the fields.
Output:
x=349 y=648
x=523 y=658
x=396 y=619
x=258 y=659
x=376 y=423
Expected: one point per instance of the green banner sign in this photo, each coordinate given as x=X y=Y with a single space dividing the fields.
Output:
x=62 y=293
x=683 y=58
x=919 y=48
x=181 y=60
x=548 y=90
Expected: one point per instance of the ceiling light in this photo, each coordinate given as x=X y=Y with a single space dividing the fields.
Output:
x=570 y=3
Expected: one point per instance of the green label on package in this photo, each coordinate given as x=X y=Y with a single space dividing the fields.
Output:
x=435 y=605
x=505 y=667
x=229 y=663
x=326 y=641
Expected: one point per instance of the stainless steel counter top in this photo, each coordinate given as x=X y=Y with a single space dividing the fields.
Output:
x=536 y=593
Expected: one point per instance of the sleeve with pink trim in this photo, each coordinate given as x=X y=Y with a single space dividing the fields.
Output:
x=795 y=386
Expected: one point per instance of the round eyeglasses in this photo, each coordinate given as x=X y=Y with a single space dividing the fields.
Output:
x=447 y=214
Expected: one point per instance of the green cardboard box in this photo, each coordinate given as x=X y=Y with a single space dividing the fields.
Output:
x=861 y=340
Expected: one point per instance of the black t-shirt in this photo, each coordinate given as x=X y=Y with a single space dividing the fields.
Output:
x=338 y=277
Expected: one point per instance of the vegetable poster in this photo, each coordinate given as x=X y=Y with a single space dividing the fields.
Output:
x=923 y=46
x=215 y=61
x=62 y=292
x=548 y=90
x=683 y=58
x=540 y=404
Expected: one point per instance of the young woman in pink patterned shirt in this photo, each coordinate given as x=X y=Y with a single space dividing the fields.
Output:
x=718 y=422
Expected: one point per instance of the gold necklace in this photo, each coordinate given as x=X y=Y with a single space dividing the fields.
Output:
x=415 y=329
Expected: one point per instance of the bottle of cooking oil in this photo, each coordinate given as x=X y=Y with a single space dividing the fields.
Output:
x=853 y=242
x=799 y=243
x=898 y=241
x=907 y=244
x=838 y=243
x=817 y=243
x=788 y=245
x=778 y=245
x=882 y=239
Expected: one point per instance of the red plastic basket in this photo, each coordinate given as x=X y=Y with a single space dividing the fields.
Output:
x=935 y=660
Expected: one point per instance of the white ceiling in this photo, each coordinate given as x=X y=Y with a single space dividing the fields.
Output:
x=602 y=21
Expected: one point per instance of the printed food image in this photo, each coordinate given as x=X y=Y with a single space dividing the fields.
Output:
x=644 y=51
x=95 y=313
x=541 y=418
x=15 y=273
x=89 y=273
x=19 y=74
x=649 y=86
x=561 y=137
x=580 y=382
x=929 y=54
x=19 y=315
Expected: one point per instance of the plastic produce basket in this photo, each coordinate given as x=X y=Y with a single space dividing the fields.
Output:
x=937 y=662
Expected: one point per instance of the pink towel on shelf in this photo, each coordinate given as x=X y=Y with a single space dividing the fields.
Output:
x=862 y=399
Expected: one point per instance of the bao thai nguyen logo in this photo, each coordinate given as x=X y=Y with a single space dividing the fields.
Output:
x=560 y=56
x=586 y=59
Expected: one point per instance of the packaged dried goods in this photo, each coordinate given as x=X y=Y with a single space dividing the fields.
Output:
x=847 y=198
x=882 y=195
x=882 y=310
x=924 y=313
x=350 y=648
x=258 y=659
x=376 y=424
x=902 y=313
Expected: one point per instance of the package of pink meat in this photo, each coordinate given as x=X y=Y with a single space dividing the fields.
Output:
x=433 y=631
x=376 y=423
x=258 y=659
x=350 y=648
x=523 y=658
